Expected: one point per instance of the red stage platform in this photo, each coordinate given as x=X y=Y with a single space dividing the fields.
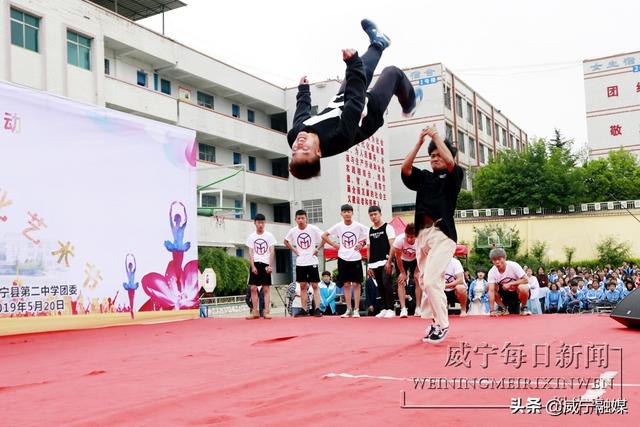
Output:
x=316 y=371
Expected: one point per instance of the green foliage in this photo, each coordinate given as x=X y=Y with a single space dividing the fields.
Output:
x=547 y=175
x=611 y=251
x=465 y=200
x=538 y=252
x=569 y=251
x=231 y=272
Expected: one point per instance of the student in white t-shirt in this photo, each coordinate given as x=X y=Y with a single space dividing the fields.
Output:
x=455 y=287
x=352 y=237
x=508 y=284
x=305 y=241
x=261 y=246
x=534 y=288
x=404 y=251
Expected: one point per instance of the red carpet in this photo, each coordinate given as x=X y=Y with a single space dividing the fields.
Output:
x=237 y=372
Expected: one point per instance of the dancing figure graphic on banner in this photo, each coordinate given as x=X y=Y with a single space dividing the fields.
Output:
x=130 y=285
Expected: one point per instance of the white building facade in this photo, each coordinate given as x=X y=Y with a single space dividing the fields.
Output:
x=612 y=95
x=477 y=127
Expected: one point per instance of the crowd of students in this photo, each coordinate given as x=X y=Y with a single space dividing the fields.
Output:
x=507 y=288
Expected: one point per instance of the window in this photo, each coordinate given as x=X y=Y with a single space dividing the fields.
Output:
x=240 y=253
x=251 y=116
x=314 y=110
x=78 y=50
x=459 y=105
x=488 y=126
x=205 y=100
x=497 y=132
x=448 y=134
x=480 y=121
x=280 y=167
x=238 y=205
x=209 y=201
x=504 y=137
x=235 y=110
x=447 y=97
x=237 y=158
x=469 y=113
x=489 y=154
x=461 y=141
x=155 y=81
x=252 y=163
x=283 y=261
x=206 y=152
x=482 y=157
x=314 y=210
x=511 y=138
x=107 y=66
x=517 y=143
x=282 y=213
x=24 y=30
x=254 y=209
x=142 y=78
x=165 y=86
x=472 y=148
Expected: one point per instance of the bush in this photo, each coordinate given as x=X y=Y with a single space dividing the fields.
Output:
x=569 y=251
x=538 y=252
x=465 y=200
x=610 y=251
x=231 y=272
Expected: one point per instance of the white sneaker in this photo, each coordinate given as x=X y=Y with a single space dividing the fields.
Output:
x=403 y=312
x=463 y=313
x=346 y=314
x=355 y=314
x=418 y=312
x=419 y=94
x=382 y=313
x=390 y=314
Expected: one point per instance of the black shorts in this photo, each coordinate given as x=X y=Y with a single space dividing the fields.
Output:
x=307 y=274
x=262 y=278
x=410 y=267
x=349 y=271
x=452 y=298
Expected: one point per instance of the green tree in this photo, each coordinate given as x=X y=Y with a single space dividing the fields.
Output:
x=535 y=177
x=611 y=251
x=231 y=272
x=538 y=251
x=569 y=251
x=465 y=200
x=615 y=177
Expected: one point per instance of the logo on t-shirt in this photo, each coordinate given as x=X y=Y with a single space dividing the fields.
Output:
x=349 y=239
x=304 y=241
x=260 y=246
x=506 y=280
x=449 y=278
x=409 y=252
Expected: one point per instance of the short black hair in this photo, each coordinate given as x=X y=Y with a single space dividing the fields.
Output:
x=259 y=217
x=410 y=229
x=301 y=212
x=326 y=273
x=374 y=209
x=305 y=169
x=346 y=207
x=452 y=149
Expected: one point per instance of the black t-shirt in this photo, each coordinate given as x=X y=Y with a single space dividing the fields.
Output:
x=436 y=196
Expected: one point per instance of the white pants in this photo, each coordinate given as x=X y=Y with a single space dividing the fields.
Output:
x=435 y=250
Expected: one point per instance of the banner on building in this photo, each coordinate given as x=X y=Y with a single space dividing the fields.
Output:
x=97 y=210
